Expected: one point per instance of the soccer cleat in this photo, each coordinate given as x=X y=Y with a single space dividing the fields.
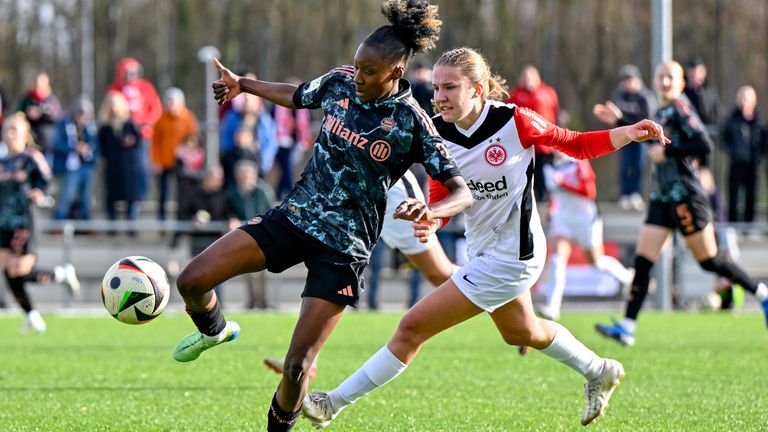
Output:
x=317 y=409
x=277 y=366
x=523 y=350
x=66 y=276
x=196 y=343
x=33 y=323
x=616 y=332
x=599 y=390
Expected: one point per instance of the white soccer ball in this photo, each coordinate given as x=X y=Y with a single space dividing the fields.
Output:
x=135 y=290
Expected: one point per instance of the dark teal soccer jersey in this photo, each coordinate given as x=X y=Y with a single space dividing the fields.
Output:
x=18 y=175
x=676 y=178
x=362 y=149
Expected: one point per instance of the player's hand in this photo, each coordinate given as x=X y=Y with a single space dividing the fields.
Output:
x=413 y=210
x=645 y=130
x=656 y=153
x=422 y=229
x=226 y=87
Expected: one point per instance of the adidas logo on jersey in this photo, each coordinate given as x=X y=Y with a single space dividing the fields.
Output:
x=346 y=291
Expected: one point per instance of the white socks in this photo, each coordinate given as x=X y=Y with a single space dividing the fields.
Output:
x=566 y=349
x=629 y=325
x=556 y=284
x=380 y=369
x=613 y=267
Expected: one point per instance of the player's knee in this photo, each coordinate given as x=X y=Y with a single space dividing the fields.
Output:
x=712 y=264
x=409 y=332
x=188 y=283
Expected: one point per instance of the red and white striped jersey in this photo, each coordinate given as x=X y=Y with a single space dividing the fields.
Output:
x=495 y=157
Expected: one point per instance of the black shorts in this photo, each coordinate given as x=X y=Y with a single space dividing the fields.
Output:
x=332 y=275
x=19 y=241
x=689 y=216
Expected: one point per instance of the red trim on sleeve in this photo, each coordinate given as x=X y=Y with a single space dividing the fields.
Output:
x=436 y=193
x=534 y=130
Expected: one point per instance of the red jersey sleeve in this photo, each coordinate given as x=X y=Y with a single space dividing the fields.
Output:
x=436 y=193
x=534 y=130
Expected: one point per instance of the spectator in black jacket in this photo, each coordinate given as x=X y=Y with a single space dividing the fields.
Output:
x=250 y=197
x=631 y=103
x=207 y=204
x=741 y=137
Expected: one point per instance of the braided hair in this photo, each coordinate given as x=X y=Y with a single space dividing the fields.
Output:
x=414 y=27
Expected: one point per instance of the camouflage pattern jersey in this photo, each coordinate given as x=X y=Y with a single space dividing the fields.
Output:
x=361 y=151
x=18 y=175
x=677 y=178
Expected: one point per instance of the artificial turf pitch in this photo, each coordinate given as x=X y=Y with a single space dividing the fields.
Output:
x=688 y=372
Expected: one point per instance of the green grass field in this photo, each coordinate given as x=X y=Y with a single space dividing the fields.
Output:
x=688 y=372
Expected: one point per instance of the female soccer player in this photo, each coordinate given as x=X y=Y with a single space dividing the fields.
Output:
x=428 y=257
x=373 y=130
x=493 y=144
x=678 y=201
x=574 y=218
x=24 y=173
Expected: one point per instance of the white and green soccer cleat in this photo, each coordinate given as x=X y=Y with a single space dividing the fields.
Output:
x=599 y=390
x=318 y=410
x=196 y=343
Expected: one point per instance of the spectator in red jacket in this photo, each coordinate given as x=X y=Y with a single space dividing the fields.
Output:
x=533 y=93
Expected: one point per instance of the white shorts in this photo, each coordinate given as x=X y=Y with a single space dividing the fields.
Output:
x=491 y=282
x=586 y=232
x=398 y=233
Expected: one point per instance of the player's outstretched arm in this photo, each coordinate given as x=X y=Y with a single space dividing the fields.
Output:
x=231 y=85
x=643 y=130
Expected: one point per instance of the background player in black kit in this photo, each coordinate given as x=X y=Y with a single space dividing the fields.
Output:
x=373 y=130
x=24 y=174
x=678 y=201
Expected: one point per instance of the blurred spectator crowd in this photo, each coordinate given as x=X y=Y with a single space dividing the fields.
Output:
x=136 y=147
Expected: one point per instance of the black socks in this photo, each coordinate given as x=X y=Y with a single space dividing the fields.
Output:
x=279 y=420
x=209 y=323
x=640 y=284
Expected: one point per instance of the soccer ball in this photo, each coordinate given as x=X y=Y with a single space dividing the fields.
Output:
x=135 y=290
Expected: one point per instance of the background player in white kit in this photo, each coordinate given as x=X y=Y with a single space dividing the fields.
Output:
x=574 y=218
x=493 y=145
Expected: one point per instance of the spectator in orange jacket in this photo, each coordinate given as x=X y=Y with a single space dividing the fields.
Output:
x=145 y=107
x=533 y=93
x=176 y=123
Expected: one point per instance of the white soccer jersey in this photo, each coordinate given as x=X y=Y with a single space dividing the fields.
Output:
x=505 y=241
x=495 y=157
